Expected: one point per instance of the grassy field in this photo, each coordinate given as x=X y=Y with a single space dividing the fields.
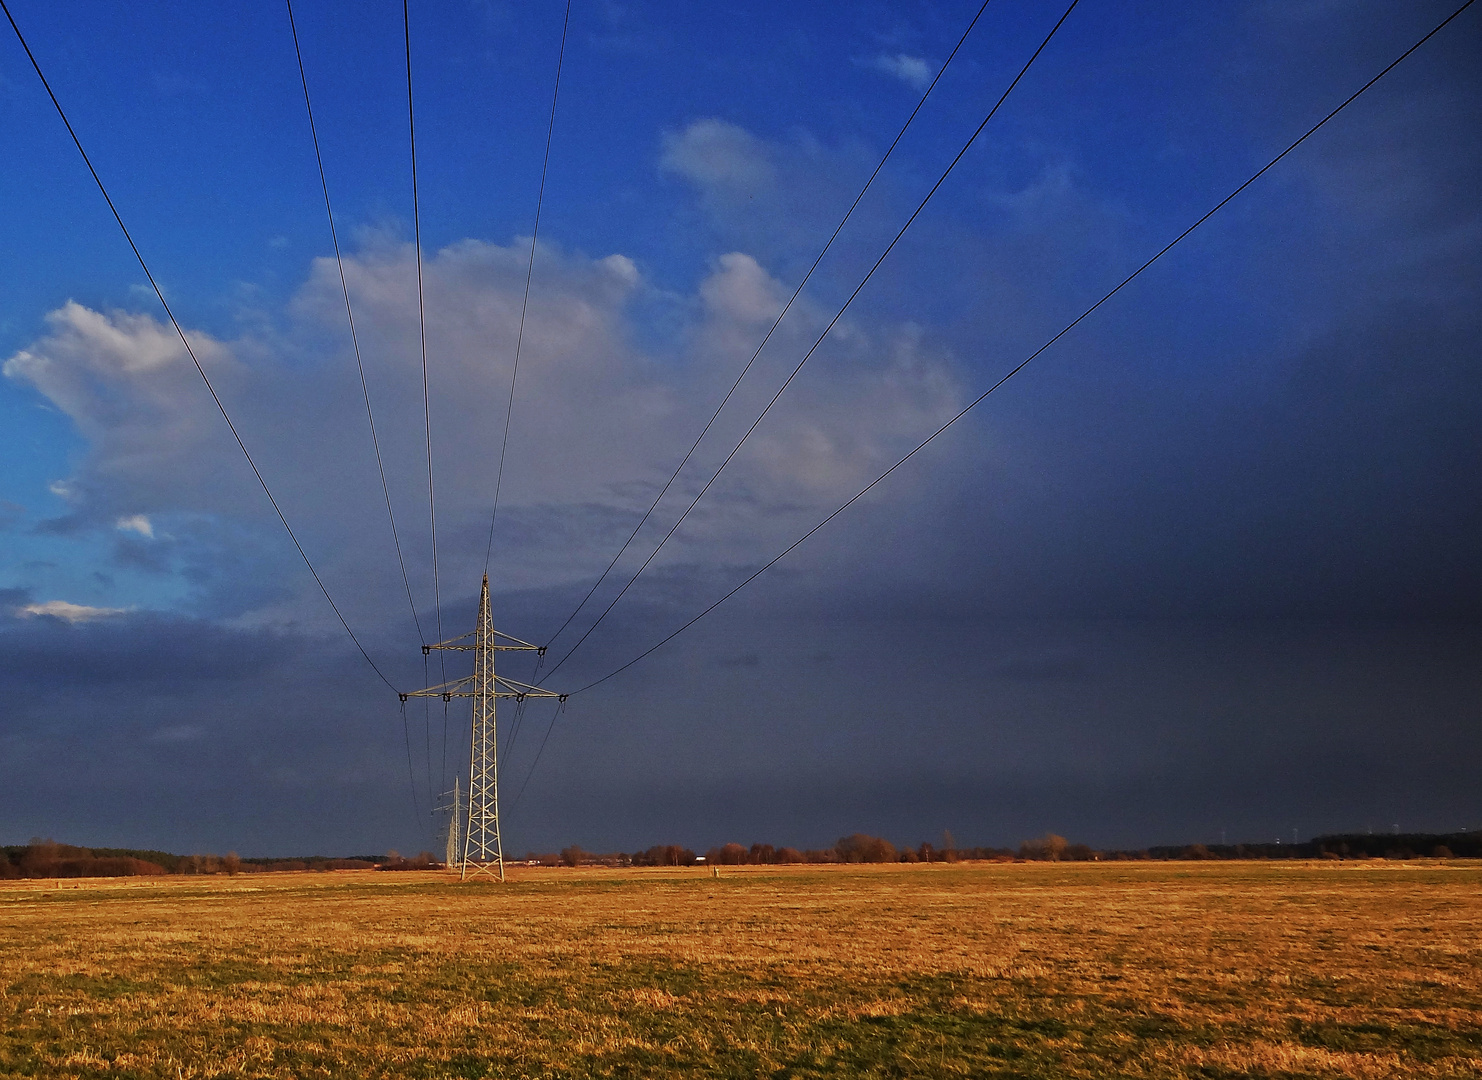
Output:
x=1037 y=970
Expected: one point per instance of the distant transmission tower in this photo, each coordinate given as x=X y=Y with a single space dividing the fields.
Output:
x=452 y=846
x=483 y=850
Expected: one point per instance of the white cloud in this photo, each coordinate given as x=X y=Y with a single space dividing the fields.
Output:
x=740 y=289
x=719 y=157
x=911 y=70
x=622 y=268
x=72 y=613
x=138 y=523
x=598 y=422
x=127 y=383
x=774 y=197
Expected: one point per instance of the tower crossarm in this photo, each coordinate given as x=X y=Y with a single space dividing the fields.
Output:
x=466 y=687
x=450 y=689
x=524 y=690
x=501 y=640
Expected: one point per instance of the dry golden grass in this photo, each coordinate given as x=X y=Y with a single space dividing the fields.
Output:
x=1088 y=970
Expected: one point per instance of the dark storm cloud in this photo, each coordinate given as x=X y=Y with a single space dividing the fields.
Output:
x=243 y=738
x=1345 y=485
x=144 y=653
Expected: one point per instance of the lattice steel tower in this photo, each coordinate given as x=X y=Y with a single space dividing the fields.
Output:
x=482 y=848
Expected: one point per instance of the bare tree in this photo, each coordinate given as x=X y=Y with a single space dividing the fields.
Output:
x=1048 y=848
x=862 y=848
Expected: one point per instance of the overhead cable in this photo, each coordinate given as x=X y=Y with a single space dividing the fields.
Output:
x=359 y=366
x=350 y=317
x=770 y=330
x=1027 y=360
x=422 y=321
x=555 y=715
x=529 y=270
x=819 y=341
x=189 y=350
x=437 y=600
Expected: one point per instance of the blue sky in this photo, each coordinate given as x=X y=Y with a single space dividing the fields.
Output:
x=1227 y=524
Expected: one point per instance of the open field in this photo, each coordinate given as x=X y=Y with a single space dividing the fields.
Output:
x=1028 y=970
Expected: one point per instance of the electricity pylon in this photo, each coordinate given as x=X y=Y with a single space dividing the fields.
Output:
x=483 y=849
x=452 y=846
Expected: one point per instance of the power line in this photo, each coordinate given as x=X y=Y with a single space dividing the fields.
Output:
x=176 y=324
x=768 y=337
x=422 y=320
x=350 y=317
x=406 y=22
x=360 y=367
x=529 y=270
x=1027 y=360
x=406 y=732
x=814 y=348
x=559 y=709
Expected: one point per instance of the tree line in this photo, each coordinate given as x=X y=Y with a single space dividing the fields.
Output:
x=855 y=848
x=43 y=858
x=863 y=848
x=49 y=859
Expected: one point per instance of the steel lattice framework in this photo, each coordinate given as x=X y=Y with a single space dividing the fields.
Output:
x=482 y=847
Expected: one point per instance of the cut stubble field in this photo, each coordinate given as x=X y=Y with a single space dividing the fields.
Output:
x=1024 y=970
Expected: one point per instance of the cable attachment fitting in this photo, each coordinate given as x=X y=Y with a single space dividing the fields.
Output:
x=403 y=698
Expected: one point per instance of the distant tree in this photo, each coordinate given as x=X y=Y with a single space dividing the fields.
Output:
x=1048 y=848
x=573 y=855
x=664 y=855
x=1196 y=851
x=926 y=853
x=1079 y=853
x=789 y=855
x=232 y=864
x=1441 y=851
x=40 y=858
x=762 y=854
x=859 y=848
x=726 y=855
